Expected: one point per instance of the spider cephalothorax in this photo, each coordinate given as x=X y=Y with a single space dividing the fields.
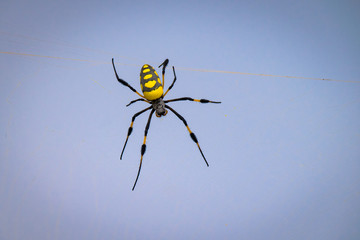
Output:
x=159 y=107
x=153 y=90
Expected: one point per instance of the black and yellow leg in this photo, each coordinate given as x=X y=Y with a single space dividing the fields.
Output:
x=143 y=147
x=172 y=84
x=192 y=135
x=131 y=127
x=139 y=99
x=190 y=99
x=124 y=82
x=164 y=64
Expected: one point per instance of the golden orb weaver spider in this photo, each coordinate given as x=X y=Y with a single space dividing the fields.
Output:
x=152 y=89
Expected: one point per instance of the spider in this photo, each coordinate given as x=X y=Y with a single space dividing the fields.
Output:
x=152 y=88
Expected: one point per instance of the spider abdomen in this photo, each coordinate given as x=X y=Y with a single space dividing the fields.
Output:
x=150 y=83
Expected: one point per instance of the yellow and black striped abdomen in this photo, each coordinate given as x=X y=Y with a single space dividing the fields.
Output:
x=150 y=83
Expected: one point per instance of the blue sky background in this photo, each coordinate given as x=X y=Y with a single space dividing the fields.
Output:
x=284 y=153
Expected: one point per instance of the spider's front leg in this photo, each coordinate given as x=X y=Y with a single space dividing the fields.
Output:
x=131 y=127
x=143 y=147
x=192 y=135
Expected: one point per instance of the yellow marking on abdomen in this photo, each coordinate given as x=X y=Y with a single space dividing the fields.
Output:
x=148 y=76
x=154 y=94
x=150 y=84
x=146 y=70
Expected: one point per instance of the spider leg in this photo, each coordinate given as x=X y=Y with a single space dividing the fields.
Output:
x=131 y=127
x=164 y=64
x=172 y=84
x=190 y=99
x=143 y=147
x=124 y=82
x=192 y=135
x=139 y=99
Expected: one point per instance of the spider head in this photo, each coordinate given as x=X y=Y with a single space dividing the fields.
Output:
x=161 y=112
x=159 y=107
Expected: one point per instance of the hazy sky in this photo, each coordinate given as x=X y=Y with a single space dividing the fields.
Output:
x=284 y=153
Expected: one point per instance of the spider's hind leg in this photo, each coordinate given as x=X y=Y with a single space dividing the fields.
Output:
x=123 y=82
x=164 y=64
x=172 y=84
